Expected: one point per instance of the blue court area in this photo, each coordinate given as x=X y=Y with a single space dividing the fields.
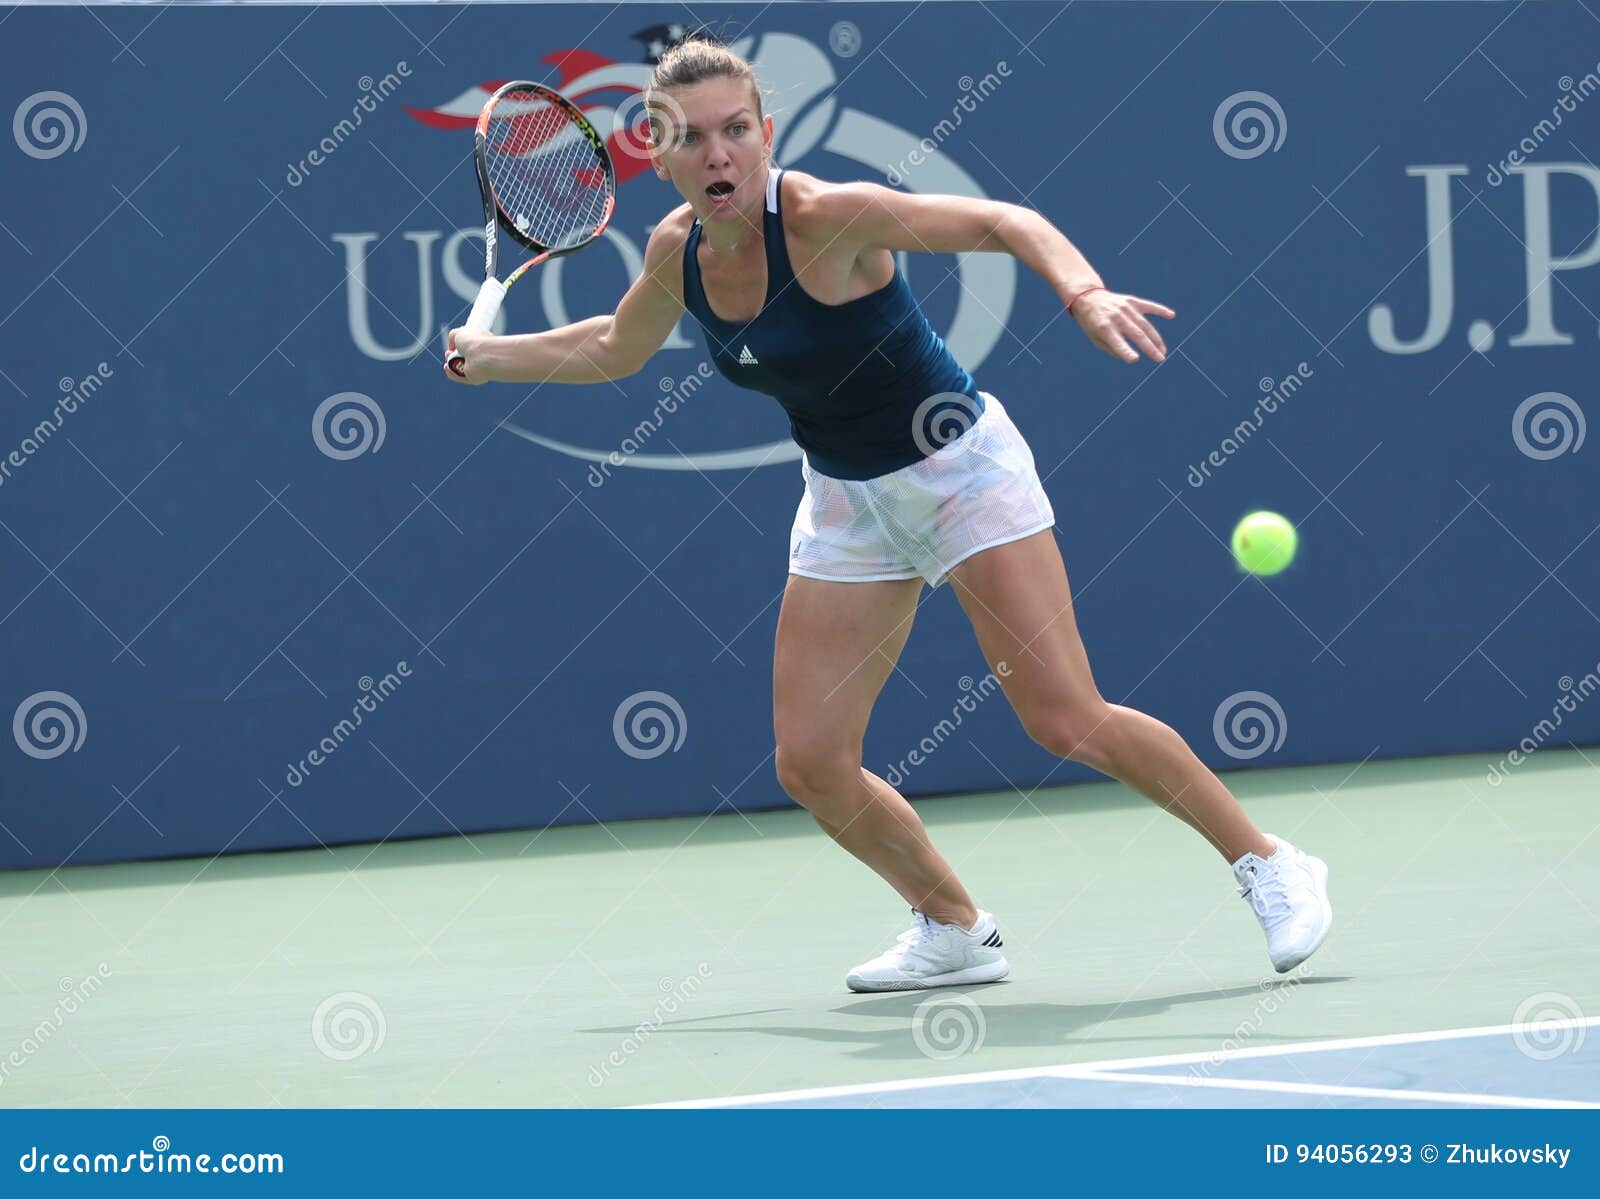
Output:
x=1541 y=1065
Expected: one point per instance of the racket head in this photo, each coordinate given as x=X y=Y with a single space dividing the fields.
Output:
x=546 y=176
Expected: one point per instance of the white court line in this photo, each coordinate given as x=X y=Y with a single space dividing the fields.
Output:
x=1311 y=1088
x=1089 y=1069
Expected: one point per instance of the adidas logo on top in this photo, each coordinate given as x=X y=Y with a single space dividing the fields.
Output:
x=746 y=358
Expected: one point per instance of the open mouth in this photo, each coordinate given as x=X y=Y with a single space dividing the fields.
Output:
x=720 y=190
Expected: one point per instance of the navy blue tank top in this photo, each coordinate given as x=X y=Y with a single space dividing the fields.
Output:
x=851 y=376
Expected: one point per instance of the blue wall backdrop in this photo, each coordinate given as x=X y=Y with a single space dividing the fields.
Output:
x=238 y=499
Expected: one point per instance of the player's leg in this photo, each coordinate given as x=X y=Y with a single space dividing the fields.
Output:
x=1020 y=605
x=836 y=645
x=1018 y=600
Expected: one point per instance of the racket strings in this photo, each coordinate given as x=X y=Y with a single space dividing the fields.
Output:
x=548 y=178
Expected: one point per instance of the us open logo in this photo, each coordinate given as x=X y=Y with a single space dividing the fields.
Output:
x=811 y=120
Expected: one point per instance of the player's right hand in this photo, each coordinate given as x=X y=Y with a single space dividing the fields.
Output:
x=470 y=343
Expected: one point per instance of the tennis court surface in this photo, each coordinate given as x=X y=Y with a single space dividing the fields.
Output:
x=701 y=960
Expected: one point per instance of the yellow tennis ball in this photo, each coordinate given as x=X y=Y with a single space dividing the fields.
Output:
x=1264 y=543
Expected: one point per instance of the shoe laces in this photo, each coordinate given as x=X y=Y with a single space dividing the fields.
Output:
x=1267 y=892
x=921 y=932
x=922 y=929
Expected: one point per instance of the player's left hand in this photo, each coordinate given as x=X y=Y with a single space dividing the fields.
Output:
x=1118 y=323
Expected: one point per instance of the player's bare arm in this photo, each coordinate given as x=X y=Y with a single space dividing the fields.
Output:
x=872 y=216
x=602 y=348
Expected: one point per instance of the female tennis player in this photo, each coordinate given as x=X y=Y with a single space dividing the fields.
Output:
x=912 y=475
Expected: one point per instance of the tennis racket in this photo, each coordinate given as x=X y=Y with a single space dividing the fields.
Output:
x=546 y=179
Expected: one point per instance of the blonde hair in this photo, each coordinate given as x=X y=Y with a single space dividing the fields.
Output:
x=694 y=61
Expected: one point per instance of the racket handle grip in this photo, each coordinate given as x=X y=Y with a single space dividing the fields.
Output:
x=484 y=309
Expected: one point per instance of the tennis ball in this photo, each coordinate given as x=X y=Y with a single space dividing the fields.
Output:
x=1264 y=543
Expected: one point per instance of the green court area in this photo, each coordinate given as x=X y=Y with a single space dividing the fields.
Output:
x=691 y=959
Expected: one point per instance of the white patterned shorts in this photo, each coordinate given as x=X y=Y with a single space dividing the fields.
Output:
x=923 y=520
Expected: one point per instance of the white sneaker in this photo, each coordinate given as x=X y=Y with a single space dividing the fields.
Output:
x=1289 y=893
x=930 y=954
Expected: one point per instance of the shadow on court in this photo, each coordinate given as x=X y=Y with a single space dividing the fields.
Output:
x=1003 y=1025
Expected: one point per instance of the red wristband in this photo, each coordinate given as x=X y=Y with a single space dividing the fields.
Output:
x=1084 y=292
